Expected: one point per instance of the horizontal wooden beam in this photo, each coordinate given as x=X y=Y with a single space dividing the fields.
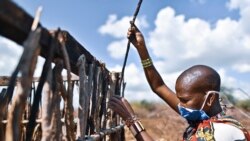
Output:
x=103 y=133
x=4 y=80
x=16 y=24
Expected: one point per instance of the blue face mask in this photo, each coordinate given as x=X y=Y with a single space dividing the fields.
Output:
x=192 y=115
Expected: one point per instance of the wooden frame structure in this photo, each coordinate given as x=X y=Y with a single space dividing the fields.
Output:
x=96 y=84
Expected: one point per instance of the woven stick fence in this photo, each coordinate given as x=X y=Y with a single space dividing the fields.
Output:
x=42 y=108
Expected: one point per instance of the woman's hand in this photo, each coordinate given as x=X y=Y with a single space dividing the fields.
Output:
x=135 y=37
x=121 y=106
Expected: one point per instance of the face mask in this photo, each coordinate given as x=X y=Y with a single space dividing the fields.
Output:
x=192 y=115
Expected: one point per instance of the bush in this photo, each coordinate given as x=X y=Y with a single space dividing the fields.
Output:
x=244 y=104
x=150 y=106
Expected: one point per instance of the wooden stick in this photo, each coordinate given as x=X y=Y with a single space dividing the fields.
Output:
x=93 y=99
x=52 y=127
x=3 y=112
x=38 y=92
x=104 y=102
x=113 y=118
x=28 y=61
x=46 y=106
x=83 y=99
x=99 y=97
x=69 y=109
x=56 y=125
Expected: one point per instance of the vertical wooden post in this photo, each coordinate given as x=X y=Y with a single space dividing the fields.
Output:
x=3 y=112
x=51 y=117
x=104 y=102
x=93 y=98
x=56 y=124
x=113 y=119
x=28 y=61
x=46 y=107
x=97 y=101
x=68 y=102
x=83 y=108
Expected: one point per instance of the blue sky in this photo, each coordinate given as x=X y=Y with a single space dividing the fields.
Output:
x=83 y=18
x=179 y=34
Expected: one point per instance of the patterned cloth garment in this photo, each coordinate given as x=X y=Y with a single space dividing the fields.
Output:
x=216 y=129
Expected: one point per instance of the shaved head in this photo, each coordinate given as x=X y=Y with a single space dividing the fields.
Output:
x=198 y=78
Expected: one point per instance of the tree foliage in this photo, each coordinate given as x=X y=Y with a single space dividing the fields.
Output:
x=228 y=92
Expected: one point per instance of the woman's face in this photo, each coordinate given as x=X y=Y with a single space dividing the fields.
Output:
x=190 y=94
x=192 y=100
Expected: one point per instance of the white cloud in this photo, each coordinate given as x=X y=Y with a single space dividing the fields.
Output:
x=118 y=28
x=134 y=75
x=226 y=79
x=114 y=27
x=243 y=68
x=192 y=41
x=239 y=87
x=9 y=56
x=244 y=8
x=117 y=49
x=174 y=36
x=39 y=66
x=137 y=87
x=238 y=4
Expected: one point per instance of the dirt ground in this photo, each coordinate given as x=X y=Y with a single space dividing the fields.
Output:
x=163 y=124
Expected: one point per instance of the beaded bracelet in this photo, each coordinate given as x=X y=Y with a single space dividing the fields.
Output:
x=147 y=63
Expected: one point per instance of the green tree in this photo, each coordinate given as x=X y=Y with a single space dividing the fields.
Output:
x=244 y=104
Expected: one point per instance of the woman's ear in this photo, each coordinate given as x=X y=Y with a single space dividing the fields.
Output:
x=211 y=99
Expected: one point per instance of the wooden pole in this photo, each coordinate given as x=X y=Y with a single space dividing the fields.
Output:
x=84 y=98
x=28 y=64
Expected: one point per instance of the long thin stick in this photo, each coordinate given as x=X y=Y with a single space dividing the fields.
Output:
x=128 y=44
